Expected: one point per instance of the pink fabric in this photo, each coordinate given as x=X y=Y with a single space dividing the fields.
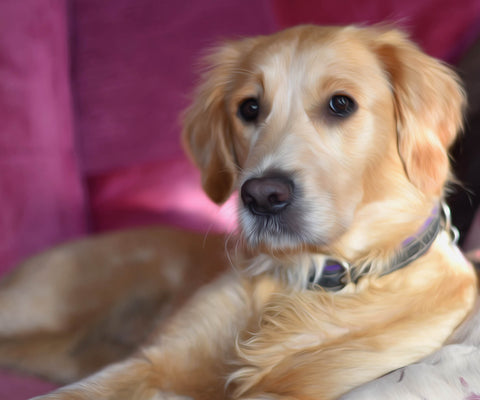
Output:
x=157 y=193
x=134 y=71
x=443 y=28
x=133 y=74
x=41 y=195
x=16 y=387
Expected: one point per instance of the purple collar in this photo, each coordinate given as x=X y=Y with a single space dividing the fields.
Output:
x=337 y=274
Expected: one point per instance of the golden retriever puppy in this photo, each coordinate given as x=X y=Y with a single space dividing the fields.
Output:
x=336 y=139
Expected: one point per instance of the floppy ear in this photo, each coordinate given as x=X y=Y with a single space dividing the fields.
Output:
x=207 y=130
x=429 y=102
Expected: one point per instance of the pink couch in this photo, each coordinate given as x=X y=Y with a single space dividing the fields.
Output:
x=90 y=97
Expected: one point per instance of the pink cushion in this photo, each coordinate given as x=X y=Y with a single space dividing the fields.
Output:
x=15 y=387
x=134 y=72
x=442 y=28
x=41 y=196
x=158 y=193
x=135 y=66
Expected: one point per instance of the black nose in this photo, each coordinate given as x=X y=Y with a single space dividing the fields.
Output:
x=268 y=195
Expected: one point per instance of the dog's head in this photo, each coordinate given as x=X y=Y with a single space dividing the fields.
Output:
x=315 y=124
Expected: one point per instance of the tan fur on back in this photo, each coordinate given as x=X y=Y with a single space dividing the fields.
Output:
x=363 y=184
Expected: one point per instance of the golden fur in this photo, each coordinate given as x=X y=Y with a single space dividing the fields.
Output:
x=368 y=182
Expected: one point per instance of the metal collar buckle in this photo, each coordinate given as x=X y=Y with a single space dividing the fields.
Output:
x=335 y=276
x=447 y=223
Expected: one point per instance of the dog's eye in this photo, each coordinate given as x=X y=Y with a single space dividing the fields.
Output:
x=249 y=110
x=341 y=105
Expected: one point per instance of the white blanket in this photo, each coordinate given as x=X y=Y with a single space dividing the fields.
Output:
x=451 y=373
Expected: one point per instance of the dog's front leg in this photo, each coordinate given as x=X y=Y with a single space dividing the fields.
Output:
x=189 y=357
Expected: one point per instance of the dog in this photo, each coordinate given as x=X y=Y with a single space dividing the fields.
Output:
x=336 y=139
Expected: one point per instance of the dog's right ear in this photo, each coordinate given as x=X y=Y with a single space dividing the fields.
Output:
x=207 y=129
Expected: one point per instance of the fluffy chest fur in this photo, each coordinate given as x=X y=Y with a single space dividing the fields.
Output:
x=301 y=343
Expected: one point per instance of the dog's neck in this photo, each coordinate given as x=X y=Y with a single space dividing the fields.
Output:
x=300 y=269
x=335 y=274
x=392 y=209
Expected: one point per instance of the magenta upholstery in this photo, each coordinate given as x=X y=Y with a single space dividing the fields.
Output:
x=42 y=199
x=132 y=76
x=133 y=72
x=144 y=194
x=17 y=387
x=443 y=28
x=90 y=97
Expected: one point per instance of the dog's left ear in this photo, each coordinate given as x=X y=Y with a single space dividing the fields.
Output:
x=207 y=130
x=429 y=102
